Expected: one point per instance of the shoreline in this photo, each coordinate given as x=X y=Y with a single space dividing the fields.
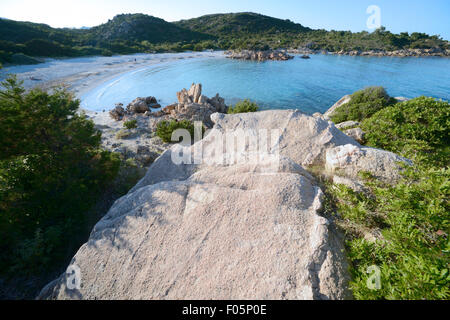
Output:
x=97 y=70
x=81 y=75
x=402 y=53
x=86 y=77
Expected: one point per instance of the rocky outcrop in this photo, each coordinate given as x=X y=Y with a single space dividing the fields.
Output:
x=183 y=97
x=301 y=138
x=277 y=55
x=142 y=105
x=118 y=112
x=140 y=144
x=137 y=106
x=194 y=106
x=329 y=113
x=347 y=124
x=430 y=52
x=401 y=99
x=217 y=102
x=356 y=133
x=239 y=224
x=195 y=92
x=349 y=160
x=212 y=236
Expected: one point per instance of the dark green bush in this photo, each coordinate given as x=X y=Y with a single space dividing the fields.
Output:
x=418 y=129
x=243 y=107
x=51 y=172
x=413 y=249
x=130 y=124
x=363 y=104
x=165 y=129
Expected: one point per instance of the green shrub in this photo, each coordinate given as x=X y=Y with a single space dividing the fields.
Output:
x=363 y=104
x=165 y=129
x=130 y=124
x=413 y=216
x=418 y=129
x=51 y=172
x=414 y=249
x=243 y=107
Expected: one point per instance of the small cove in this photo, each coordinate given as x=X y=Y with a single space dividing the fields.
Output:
x=309 y=85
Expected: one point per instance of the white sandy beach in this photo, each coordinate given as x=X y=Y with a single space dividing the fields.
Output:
x=80 y=75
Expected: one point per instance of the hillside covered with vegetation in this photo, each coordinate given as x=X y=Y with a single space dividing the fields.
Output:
x=250 y=30
x=240 y=24
x=134 y=33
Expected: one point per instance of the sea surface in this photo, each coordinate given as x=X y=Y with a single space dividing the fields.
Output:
x=309 y=85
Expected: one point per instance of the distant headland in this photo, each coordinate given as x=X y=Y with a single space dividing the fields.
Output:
x=23 y=42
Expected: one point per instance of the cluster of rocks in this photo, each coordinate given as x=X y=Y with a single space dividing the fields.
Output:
x=350 y=128
x=194 y=106
x=138 y=105
x=431 y=52
x=356 y=133
x=277 y=55
x=141 y=143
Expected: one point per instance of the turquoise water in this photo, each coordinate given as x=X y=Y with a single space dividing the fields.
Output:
x=309 y=85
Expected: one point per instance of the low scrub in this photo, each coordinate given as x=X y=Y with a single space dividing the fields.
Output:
x=402 y=229
x=243 y=106
x=130 y=124
x=165 y=129
x=363 y=104
x=417 y=129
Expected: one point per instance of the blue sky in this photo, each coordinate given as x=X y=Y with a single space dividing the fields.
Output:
x=431 y=16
